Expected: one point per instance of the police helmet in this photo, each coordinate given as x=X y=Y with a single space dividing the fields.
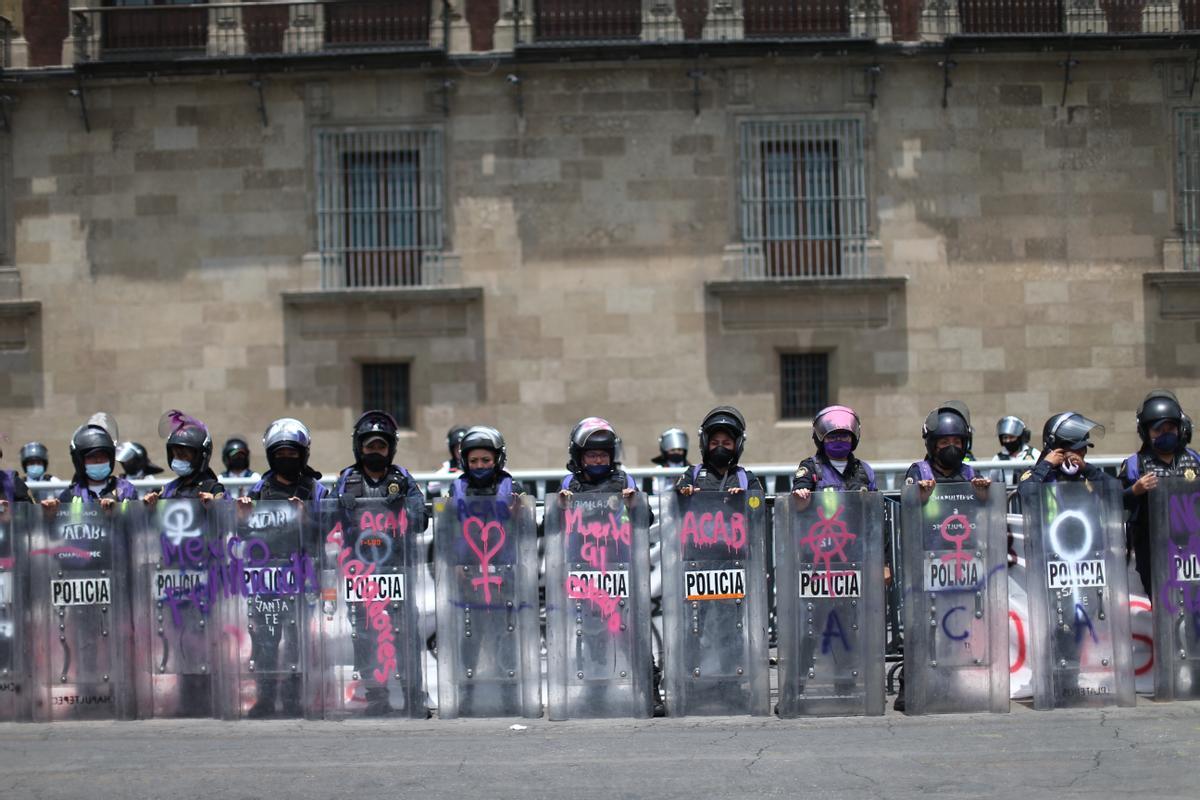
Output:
x=1013 y=426
x=673 y=439
x=370 y=425
x=34 y=451
x=836 y=418
x=1157 y=406
x=287 y=432
x=88 y=439
x=1070 y=430
x=233 y=446
x=135 y=459
x=948 y=419
x=592 y=433
x=482 y=437
x=195 y=438
x=725 y=418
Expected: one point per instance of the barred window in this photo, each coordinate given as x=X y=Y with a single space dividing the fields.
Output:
x=804 y=384
x=385 y=388
x=803 y=199
x=1188 y=167
x=380 y=207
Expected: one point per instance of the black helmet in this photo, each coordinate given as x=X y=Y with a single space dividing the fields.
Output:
x=88 y=439
x=454 y=437
x=481 y=437
x=233 y=446
x=32 y=451
x=371 y=424
x=1013 y=426
x=135 y=460
x=592 y=433
x=728 y=418
x=195 y=438
x=287 y=432
x=1185 y=431
x=1070 y=430
x=949 y=419
x=1158 y=405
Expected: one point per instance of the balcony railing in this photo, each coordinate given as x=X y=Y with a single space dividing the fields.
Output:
x=559 y=23
x=231 y=30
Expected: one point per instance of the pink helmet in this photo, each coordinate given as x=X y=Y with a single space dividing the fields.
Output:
x=836 y=418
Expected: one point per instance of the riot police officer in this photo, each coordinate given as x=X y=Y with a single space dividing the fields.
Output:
x=1014 y=437
x=1066 y=438
x=35 y=460
x=484 y=455
x=593 y=463
x=672 y=454
x=288 y=444
x=948 y=434
x=1164 y=453
x=94 y=456
x=189 y=449
x=454 y=466
x=12 y=488
x=235 y=455
x=135 y=461
x=722 y=441
x=836 y=431
x=373 y=475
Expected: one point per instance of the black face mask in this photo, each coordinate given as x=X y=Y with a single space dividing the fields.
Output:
x=676 y=461
x=950 y=457
x=1012 y=446
x=239 y=464
x=375 y=462
x=288 y=468
x=720 y=457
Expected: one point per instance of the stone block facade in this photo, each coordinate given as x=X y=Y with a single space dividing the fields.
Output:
x=1018 y=247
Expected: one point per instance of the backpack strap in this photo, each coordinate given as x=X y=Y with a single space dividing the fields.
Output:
x=1133 y=468
x=871 y=487
x=629 y=482
x=170 y=489
x=743 y=481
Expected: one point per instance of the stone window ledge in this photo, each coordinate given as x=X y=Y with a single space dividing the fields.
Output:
x=1178 y=293
x=806 y=302
x=394 y=296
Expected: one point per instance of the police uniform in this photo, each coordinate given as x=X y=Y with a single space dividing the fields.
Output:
x=1137 y=527
x=817 y=472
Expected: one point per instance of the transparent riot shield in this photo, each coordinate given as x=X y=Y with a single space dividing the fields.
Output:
x=830 y=598
x=80 y=612
x=175 y=546
x=715 y=605
x=1079 y=638
x=371 y=570
x=268 y=589
x=598 y=606
x=487 y=607
x=15 y=685
x=955 y=554
x=1175 y=557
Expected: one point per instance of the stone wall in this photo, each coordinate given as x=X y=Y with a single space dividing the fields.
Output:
x=1016 y=229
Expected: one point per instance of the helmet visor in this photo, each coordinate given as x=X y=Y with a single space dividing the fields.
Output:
x=1077 y=432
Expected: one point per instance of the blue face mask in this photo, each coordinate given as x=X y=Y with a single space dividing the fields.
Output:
x=482 y=475
x=181 y=468
x=35 y=472
x=1167 y=443
x=98 y=472
x=597 y=470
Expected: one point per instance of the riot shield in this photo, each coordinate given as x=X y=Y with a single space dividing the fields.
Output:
x=487 y=607
x=14 y=663
x=267 y=587
x=830 y=599
x=598 y=606
x=1175 y=563
x=371 y=568
x=81 y=624
x=715 y=605
x=175 y=546
x=1079 y=640
x=956 y=600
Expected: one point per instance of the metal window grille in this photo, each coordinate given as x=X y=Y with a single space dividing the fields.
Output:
x=6 y=210
x=385 y=388
x=804 y=384
x=380 y=207
x=803 y=199
x=1188 y=166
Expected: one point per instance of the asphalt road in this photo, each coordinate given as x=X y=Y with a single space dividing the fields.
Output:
x=1151 y=750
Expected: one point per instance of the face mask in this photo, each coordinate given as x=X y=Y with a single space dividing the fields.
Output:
x=482 y=475
x=950 y=457
x=288 y=468
x=376 y=462
x=1167 y=443
x=838 y=450
x=239 y=464
x=597 y=470
x=98 y=472
x=181 y=468
x=676 y=461
x=35 y=472
x=1070 y=468
x=720 y=457
x=1013 y=446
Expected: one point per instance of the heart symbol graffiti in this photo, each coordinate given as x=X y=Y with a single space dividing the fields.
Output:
x=485 y=552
